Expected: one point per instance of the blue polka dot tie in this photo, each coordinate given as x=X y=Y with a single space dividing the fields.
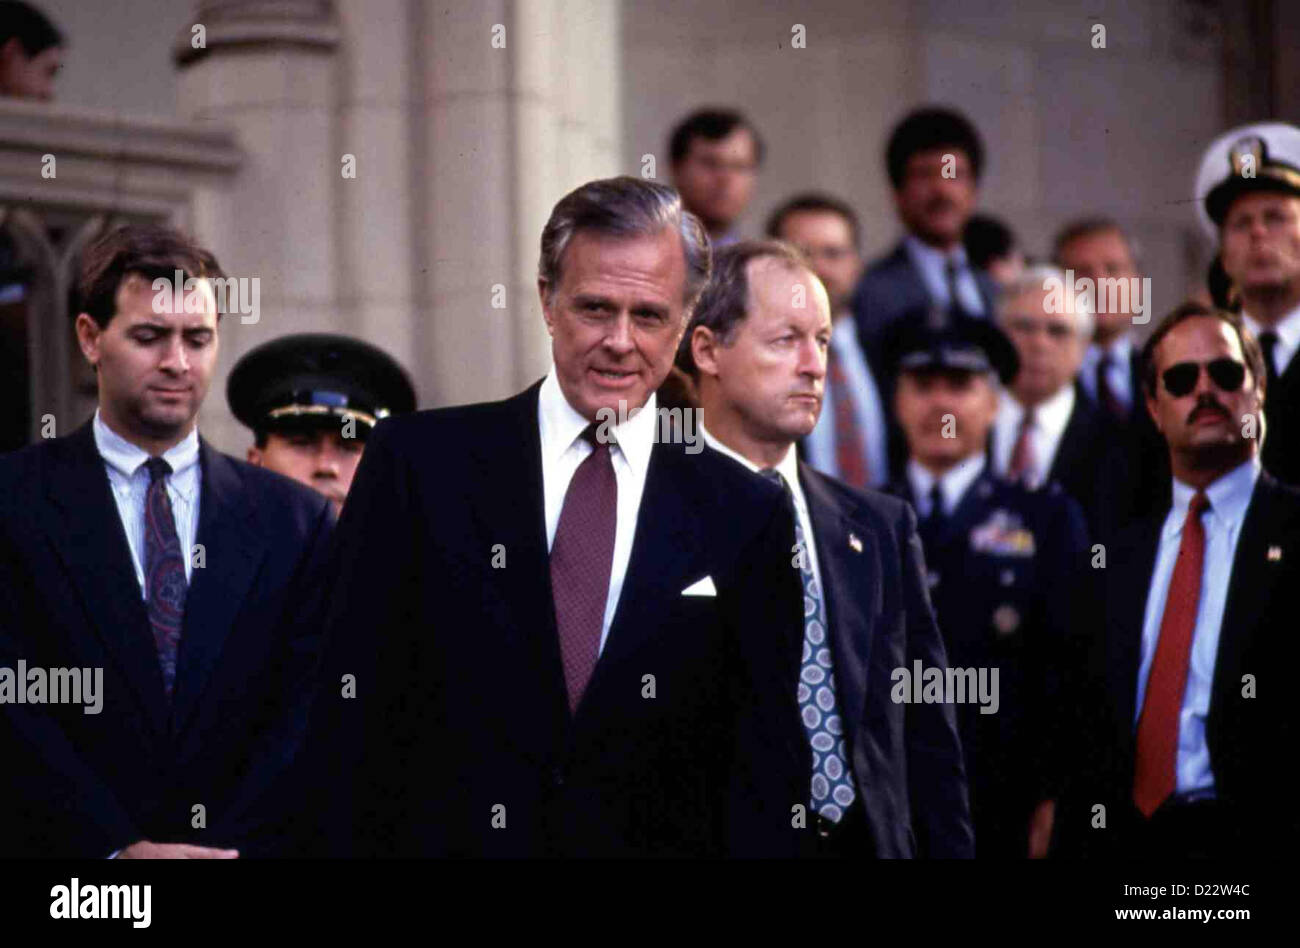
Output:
x=832 y=779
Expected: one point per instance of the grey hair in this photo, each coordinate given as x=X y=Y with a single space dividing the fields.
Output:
x=724 y=303
x=1035 y=279
x=625 y=207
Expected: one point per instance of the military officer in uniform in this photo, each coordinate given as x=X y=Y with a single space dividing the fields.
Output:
x=311 y=400
x=1001 y=561
x=1248 y=199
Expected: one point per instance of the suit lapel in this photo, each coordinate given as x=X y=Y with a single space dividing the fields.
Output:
x=233 y=549
x=516 y=519
x=850 y=575
x=1075 y=439
x=1268 y=525
x=89 y=538
x=1125 y=617
x=665 y=559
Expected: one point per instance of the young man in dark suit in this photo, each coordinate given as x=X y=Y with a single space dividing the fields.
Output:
x=133 y=549
x=934 y=159
x=874 y=776
x=1193 y=641
x=549 y=622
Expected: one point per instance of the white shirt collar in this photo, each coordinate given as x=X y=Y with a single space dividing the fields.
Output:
x=1287 y=328
x=561 y=426
x=1050 y=416
x=125 y=457
x=1229 y=496
x=788 y=466
x=953 y=483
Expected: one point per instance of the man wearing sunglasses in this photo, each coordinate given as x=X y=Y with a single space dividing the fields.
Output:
x=1248 y=191
x=1196 y=615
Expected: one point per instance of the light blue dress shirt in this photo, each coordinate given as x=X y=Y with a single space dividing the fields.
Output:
x=819 y=445
x=1118 y=373
x=932 y=265
x=1229 y=498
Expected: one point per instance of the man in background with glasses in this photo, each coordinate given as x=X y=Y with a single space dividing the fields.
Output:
x=1194 y=644
x=1047 y=428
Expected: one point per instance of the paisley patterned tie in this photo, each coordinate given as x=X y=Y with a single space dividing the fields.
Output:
x=164 y=570
x=832 y=780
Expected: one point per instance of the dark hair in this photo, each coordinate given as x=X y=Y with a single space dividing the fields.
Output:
x=724 y=303
x=1084 y=227
x=928 y=128
x=32 y=28
x=1191 y=309
x=813 y=201
x=624 y=207
x=1221 y=287
x=714 y=125
x=148 y=250
x=987 y=238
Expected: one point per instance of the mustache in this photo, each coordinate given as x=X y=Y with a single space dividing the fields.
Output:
x=1205 y=404
x=939 y=203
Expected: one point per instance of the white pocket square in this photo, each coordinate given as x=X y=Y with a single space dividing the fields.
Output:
x=703 y=587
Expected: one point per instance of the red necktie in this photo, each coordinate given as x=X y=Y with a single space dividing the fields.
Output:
x=1106 y=396
x=1157 y=731
x=582 y=555
x=1022 y=455
x=850 y=450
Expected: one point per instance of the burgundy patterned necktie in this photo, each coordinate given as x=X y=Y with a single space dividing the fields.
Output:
x=164 y=571
x=850 y=449
x=1021 y=466
x=582 y=556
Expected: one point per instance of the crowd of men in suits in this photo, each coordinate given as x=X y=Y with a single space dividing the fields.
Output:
x=548 y=626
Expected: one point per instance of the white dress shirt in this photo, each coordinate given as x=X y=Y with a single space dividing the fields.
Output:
x=789 y=469
x=1050 y=419
x=1288 y=337
x=563 y=449
x=932 y=265
x=129 y=479
x=1229 y=498
x=867 y=407
x=953 y=483
x=1118 y=374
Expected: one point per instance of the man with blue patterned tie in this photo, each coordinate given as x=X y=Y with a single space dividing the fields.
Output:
x=877 y=778
x=133 y=547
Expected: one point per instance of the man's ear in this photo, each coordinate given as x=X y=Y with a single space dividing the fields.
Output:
x=88 y=333
x=254 y=456
x=704 y=350
x=1151 y=408
x=542 y=287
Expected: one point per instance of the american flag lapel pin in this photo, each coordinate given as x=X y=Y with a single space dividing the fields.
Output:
x=855 y=543
x=1274 y=554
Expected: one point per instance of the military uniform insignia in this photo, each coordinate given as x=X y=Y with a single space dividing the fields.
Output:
x=1003 y=534
x=1006 y=619
x=1274 y=554
x=855 y=543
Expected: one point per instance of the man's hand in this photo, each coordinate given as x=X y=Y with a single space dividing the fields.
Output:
x=147 y=850
x=1040 y=829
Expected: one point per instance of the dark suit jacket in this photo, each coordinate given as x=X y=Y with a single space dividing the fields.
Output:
x=461 y=714
x=1147 y=455
x=892 y=287
x=906 y=758
x=1281 y=449
x=1250 y=738
x=1094 y=464
x=87 y=785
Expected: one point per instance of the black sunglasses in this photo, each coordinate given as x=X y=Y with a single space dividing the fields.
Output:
x=1227 y=374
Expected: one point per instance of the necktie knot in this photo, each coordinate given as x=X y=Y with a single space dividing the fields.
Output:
x=158 y=469
x=1199 y=504
x=590 y=435
x=936 y=500
x=773 y=475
